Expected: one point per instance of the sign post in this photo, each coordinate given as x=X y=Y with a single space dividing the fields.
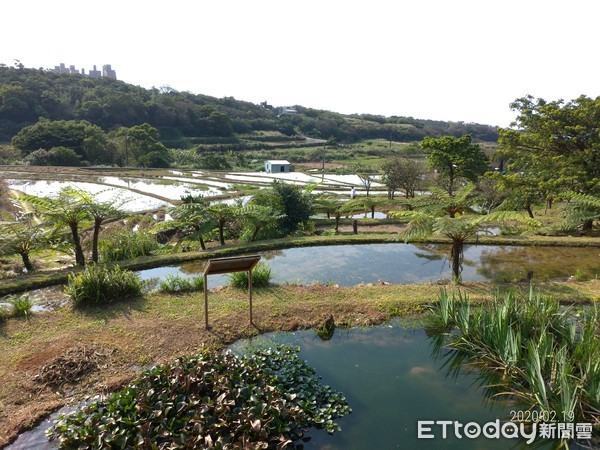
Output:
x=229 y=265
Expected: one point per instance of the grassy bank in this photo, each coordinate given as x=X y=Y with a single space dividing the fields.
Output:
x=126 y=337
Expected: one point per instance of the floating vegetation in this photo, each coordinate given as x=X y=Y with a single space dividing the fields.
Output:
x=265 y=399
x=542 y=356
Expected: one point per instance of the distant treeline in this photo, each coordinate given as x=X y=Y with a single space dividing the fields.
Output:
x=26 y=95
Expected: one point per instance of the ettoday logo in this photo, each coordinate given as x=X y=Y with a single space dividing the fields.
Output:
x=431 y=429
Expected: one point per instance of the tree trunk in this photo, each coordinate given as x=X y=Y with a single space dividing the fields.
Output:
x=355 y=226
x=587 y=225
x=27 y=262
x=456 y=259
x=221 y=237
x=253 y=238
x=337 y=221
x=529 y=211
x=372 y=212
x=202 y=244
x=79 y=256
x=97 y=224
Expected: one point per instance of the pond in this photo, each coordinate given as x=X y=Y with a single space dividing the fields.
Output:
x=348 y=265
x=391 y=380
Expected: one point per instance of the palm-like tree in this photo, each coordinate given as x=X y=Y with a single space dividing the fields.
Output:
x=335 y=206
x=65 y=210
x=581 y=211
x=190 y=220
x=22 y=238
x=99 y=212
x=258 y=217
x=442 y=215
x=221 y=213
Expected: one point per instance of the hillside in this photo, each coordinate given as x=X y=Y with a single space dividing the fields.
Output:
x=184 y=119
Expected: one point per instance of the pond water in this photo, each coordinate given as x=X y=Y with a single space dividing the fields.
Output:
x=391 y=381
x=172 y=190
x=129 y=201
x=348 y=265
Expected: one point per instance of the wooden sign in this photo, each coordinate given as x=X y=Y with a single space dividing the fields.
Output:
x=229 y=265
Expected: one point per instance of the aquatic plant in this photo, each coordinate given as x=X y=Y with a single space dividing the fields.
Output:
x=265 y=399
x=22 y=306
x=544 y=357
x=175 y=284
x=261 y=276
x=97 y=285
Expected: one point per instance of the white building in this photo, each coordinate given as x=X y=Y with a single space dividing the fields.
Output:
x=277 y=166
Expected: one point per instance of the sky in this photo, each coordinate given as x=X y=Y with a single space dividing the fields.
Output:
x=456 y=60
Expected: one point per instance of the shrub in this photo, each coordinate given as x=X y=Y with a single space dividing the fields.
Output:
x=265 y=399
x=261 y=276
x=122 y=245
x=22 y=306
x=98 y=285
x=175 y=284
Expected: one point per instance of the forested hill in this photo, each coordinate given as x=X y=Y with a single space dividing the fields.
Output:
x=26 y=95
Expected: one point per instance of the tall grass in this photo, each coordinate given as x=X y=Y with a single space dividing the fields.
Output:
x=122 y=245
x=544 y=357
x=22 y=306
x=98 y=285
x=261 y=277
x=175 y=284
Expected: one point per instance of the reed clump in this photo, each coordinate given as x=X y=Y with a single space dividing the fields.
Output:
x=544 y=357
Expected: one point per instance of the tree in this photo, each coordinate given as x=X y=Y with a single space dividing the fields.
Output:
x=258 y=218
x=581 y=211
x=365 y=175
x=190 y=219
x=139 y=145
x=441 y=215
x=455 y=160
x=99 y=212
x=22 y=238
x=65 y=210
x=334 y=205
x=403 y=173
x=556 y=143
x=221 y=213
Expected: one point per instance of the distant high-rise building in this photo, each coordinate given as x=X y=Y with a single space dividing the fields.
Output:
x=108 y=72
x=95 y=73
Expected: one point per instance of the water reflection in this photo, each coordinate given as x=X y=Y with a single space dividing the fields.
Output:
x=348 y=265
x=391 y=381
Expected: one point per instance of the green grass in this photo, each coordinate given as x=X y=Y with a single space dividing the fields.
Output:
x=176 y=284
x=98 y=285
x=22 y=306
x=261 y=276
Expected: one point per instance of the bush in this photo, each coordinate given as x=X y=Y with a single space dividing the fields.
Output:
x=261 y=276
x=22 y=306
x=175 y=284
x=98 y=285
x=266 y=399
x=121 y=245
